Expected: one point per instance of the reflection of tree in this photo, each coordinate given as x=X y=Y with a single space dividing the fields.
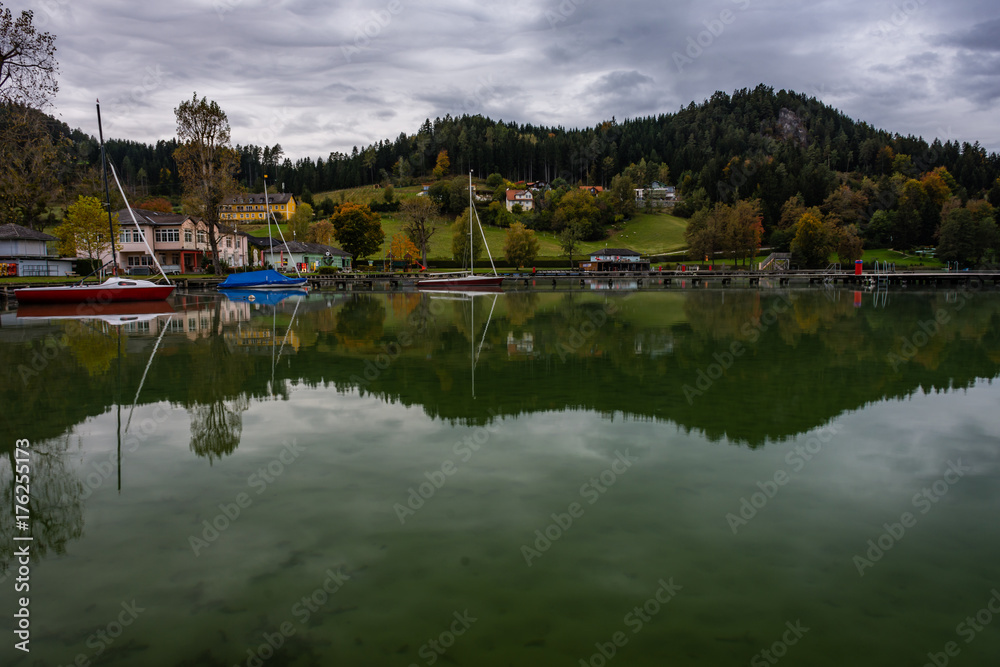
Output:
x=93 y=347
x=56 y=502
x=361 y=319
x=217 y=402
x=521 y=306
x=216 y=428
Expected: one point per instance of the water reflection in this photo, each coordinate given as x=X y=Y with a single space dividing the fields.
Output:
x=803 y=357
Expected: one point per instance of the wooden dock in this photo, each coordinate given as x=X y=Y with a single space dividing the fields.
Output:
x=381 y=282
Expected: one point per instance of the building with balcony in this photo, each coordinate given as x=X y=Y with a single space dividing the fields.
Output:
x=180 y=243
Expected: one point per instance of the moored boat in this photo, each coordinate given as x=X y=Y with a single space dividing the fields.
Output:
x=468 y=280
x=263 y=279
x=114 y=289
x=110 y=291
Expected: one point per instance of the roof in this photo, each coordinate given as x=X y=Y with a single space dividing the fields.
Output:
x=593 y=188
x=151 y=217
x=262 y=241
x=258 y=198
x=12 y=232
x=307 y=248
x=616 y=251
x=513 y=194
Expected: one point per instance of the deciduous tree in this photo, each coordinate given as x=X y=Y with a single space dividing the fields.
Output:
x=520 y=245
x=967 y=237
x=85 y=229
x=206 y=163
x=569 y=240
x=813 y=242
x=460 y=239
x=298 y=224
x=418 y=214
x=443 y=165
x=27 y=61
x=357 y=230
x=158 y=204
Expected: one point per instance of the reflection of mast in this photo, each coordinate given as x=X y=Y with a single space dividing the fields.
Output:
x=472 y=339
x=137 y=392
x=274 y=334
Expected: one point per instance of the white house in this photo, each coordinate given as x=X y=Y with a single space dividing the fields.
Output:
x=656 y=194
x=522 y=197
x=24 y=252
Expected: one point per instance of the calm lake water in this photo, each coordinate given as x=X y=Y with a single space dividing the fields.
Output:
x=698 y=477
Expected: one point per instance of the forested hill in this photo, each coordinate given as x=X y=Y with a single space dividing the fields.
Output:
x=751 y=144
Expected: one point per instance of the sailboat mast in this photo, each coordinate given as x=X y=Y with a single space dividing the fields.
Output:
x=472 y=253
x=107 y=189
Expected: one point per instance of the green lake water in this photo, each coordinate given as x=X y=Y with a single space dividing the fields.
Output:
x=685 y=477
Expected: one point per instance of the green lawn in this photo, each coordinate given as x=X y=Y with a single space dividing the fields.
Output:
x=902 y=259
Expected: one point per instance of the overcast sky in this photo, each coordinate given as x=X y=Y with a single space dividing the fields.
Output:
x=318 y=76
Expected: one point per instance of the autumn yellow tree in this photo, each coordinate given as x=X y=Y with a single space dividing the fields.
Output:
x=402 y=249
x=85 y=229
x=443 y=165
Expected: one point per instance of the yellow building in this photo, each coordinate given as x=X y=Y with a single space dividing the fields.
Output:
x=250 y=208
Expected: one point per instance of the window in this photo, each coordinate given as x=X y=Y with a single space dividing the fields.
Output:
x=168 y=235
x=142 y=260
x=202 y=236
x=188 y=236
x=229 y=241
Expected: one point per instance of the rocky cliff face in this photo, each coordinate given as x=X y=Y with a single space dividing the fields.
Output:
x=791 y=127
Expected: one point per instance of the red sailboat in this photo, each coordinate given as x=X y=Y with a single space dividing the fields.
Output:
x=113 y=289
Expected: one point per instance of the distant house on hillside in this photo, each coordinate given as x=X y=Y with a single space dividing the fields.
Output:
x=522 y=197
x=656 y=194
x=24 y=252
x=615 y=259
x=251 y=208
x=592 y=189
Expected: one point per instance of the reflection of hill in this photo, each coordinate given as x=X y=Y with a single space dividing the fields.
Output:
x=805 y=363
